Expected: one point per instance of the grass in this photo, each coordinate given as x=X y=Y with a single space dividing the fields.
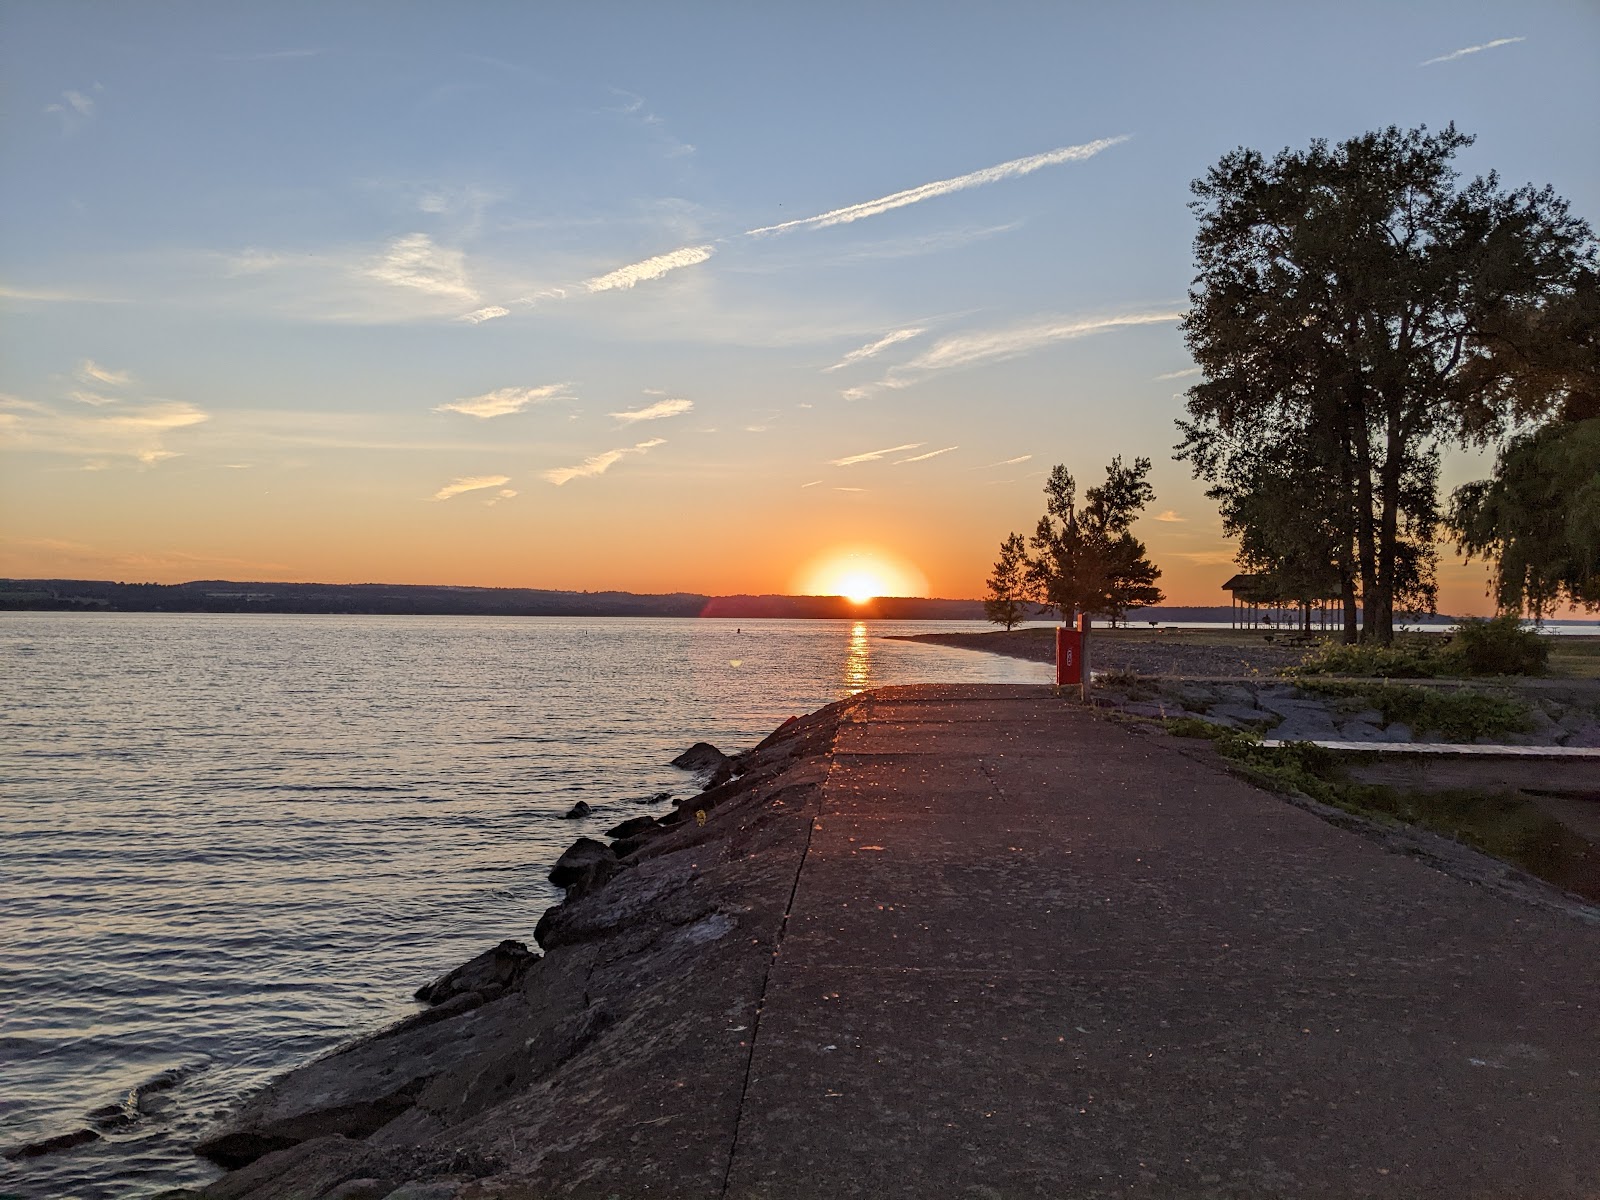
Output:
x=1506 y=825
x=1575 y=656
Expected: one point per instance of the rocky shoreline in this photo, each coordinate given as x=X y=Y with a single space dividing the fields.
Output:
x=584 y=1069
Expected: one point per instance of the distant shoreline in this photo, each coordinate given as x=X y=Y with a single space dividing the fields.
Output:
x=388 y=599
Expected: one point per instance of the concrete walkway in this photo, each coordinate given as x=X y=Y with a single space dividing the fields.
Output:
x=1032 y=953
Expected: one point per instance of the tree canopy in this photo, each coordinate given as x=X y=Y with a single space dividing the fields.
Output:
x=1538 y=519
x=1086 y=559
x=1007 y=601
x=1356 y=309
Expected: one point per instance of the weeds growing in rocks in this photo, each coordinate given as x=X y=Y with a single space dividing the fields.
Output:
x=1456 y=716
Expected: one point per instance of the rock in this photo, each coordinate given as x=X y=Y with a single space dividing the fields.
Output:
x=361 y=1189
x=495 y=970
x=357 y=1090
x=580 y=809
x=428 y=1189
x=1146 y=708
x=788 y=728
x=1361 y=731
x=632 y=826
x=54 y=1145
x=586 y=866
x=1242 y=714
x=702 y=758
x=623 y=847
x=1361 y=716
x=307 y=1168
x=720 y=776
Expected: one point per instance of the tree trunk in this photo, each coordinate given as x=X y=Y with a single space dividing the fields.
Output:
x=1366 y=536
x=1389 y=524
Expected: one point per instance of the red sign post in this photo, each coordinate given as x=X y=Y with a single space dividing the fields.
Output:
x=1069 y=655
x=1072 y=656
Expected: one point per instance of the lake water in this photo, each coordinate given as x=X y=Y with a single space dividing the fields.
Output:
x=231 y=842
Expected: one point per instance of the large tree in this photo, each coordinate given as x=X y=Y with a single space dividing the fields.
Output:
x=1356 y=309
x=1086 y=559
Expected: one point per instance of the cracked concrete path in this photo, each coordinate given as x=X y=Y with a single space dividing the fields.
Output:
x=1032 y=953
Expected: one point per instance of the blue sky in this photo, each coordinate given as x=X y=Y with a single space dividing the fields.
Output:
x=277 y=278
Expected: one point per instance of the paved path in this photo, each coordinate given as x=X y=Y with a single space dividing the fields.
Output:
x=1030 y=953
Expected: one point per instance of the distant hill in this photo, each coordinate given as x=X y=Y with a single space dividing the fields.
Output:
x=229 y=596
x=404 y=599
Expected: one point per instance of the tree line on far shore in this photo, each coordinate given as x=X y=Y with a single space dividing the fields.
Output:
x=1357 y=311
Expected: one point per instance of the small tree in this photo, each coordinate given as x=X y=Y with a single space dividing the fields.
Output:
x=1007 y=601
x=1086 y=560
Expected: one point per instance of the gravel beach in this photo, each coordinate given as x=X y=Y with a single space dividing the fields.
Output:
x=1204 y=654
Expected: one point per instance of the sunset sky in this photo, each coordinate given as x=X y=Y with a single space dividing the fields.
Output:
x=697 y=297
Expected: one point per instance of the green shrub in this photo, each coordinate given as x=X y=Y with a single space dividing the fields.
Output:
x=1417 y=658
x=1500 y=646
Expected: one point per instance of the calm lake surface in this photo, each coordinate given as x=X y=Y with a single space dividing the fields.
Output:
x=231 y=842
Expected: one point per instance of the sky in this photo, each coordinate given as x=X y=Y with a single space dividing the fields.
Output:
x=701 y=297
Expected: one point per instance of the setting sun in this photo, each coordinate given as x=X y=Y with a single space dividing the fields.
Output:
x=859 y=575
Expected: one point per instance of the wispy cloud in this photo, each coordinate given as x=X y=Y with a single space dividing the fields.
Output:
x=479 y=316
x=92 y=372
x=54 y=296
x=599 y=464
x=136 y=430
x=873 y=455
x=943 y=187
x=813 y=483
x=504 y=401
x=634 y=106
x=74 y=108
x=414 y=261
x=650 y=268
x=971 y=349
x=849 y=489
x=654 y=412
x=929 y=454
x=93 y=398
x=272 y=55
x=877 y=347
x=470 y=483
x=1004 y=462
x=1183 y=374
x=1170 y=516
x=1466 y=50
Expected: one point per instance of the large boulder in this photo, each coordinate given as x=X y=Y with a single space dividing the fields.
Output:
x=585 y=866
x=632 y=826
x=703 y=759
x=492 y=973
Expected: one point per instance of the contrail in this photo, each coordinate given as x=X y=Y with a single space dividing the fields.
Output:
x=943 y=187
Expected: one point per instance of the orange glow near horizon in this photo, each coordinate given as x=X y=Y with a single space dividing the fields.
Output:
x=859 y=574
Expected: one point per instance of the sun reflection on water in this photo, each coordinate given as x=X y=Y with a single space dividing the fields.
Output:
x=858 y=660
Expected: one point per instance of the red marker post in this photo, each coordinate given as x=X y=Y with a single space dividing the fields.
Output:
x=1072 y=656
x=1069 y=656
